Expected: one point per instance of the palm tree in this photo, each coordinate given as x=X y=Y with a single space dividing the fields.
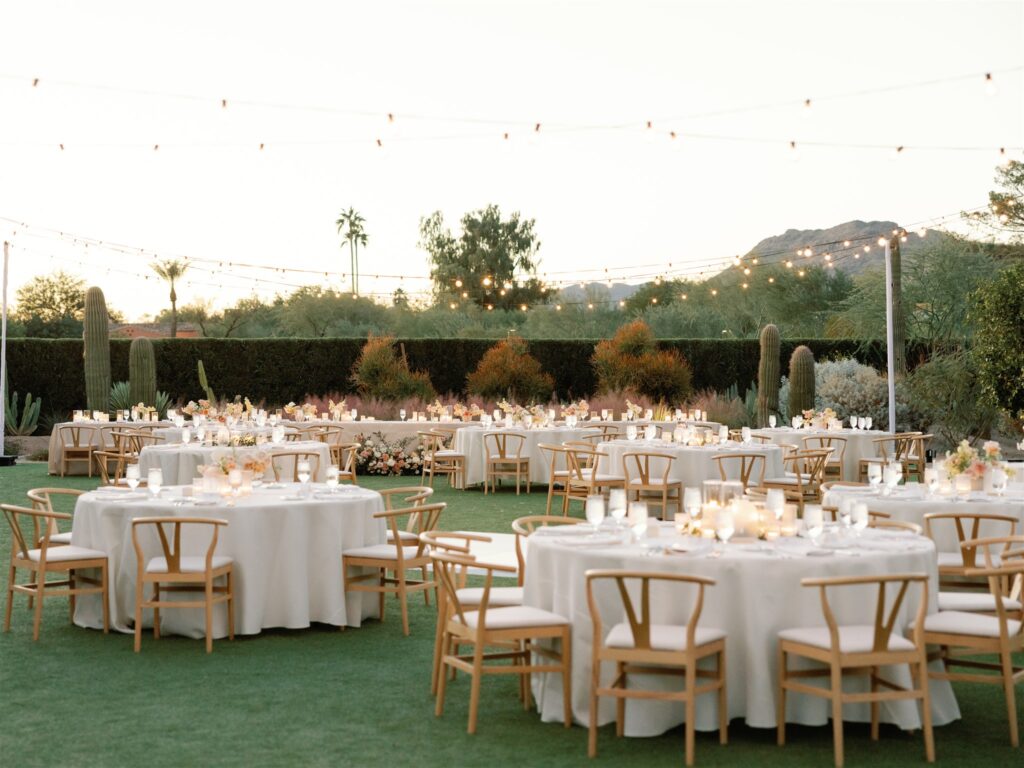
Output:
x=352 y=222
x=171 y=270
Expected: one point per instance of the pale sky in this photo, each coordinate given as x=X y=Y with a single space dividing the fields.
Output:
x=602 y=197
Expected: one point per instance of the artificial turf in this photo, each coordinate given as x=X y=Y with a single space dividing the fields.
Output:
x=326 y=697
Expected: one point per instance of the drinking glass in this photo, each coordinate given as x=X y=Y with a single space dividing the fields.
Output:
x=775 y=502
x=595 y=510
x=332 y=477
x=617 y=503
x=724 y=525
x=155 y=481
x=771 y=421
x=235 y=481
x=845 y=511
x=854 y=422
x=999 y=480
x=859 y=516
x=712 y=491
x=692 y=502
x=131 y=476
x=866 y=422
x=682 y=521
x=875 y=475
x=931 y=479
x=201 y=433
x=401 y=414
x=630 y=432
x=302 y=471
x=732 y=490
x=354 y=415
x=745 y=435
x=813 y=523
x=277 y=434
x=186 y=436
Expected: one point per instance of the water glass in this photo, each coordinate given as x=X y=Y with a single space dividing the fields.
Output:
x=302 y=471
x=630 y=432
x=724 y=524
x=866 y=422
x=999 y=481
x=332 y=477
x=712 y=491
x=131 y=476
x=931 y=479
x=617 y=503
x=692 y=502
x=235 y=481
x=874 y=474
x=732 y=490
x=155 y=481
x=595 y=510
x=772 y=421
x=401 y=413
x=814 y=524
x=775 y=502
x=859 y=516
x=745 y=435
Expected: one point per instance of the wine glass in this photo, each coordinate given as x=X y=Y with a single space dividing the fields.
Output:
x=595 y=510
x=875 y=475
x=724 y=525
x=630 y=432
x=771 y=421
x=711 y=491
x=332 y=478
x=131 y=476
x=891 y=476
x=186 y=436
x=155 y=481
x=775 y=502
x=401 y=414
x=814 y=524
x=845 y=511
x=859 y=516
x=999 y=480
x=617 y=504
x=692 y=503
x=235 y=481
x=201 y=433
x=866 y=422
x=302 y=471
x=931 y=479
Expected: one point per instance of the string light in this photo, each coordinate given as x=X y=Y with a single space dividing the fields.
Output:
x=794 y=153
x=990 y=85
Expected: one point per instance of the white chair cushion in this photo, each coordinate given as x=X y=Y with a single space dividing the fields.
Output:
x=603 y=478
x=407 y=536
x=60 y=554
x=955 y=559
x=852 y=639
x=517 y=616
x=500 y=596
x=664 y=637
x=60 y=538
x=964 y=623
x=973 y=601
x=380 y=552
x=196 y=564
x=447 y=453
x=781 y=480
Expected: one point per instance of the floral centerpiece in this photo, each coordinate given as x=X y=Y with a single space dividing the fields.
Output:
x=243 y=440
x=336 y=409
x=634 y=410
x=819 y=419
x=967 y=460
x=202 y=408
x=255 y=462
x=376 y=456
x=516 y=412
x=467 y=412
x=582 y=408
x=436 y=408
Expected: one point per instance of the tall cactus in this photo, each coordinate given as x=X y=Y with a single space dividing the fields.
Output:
x=142 y=372
x=97 y=352
x=801 y=380
x=768 y=375
x=204 y=384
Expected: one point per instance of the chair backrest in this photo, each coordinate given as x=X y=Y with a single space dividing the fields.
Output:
x=640 y=622
x=788 y=449
x=44 y=523
x=458 y=542
x=636 y=465
x=1004 y=569
x=556 y=455
x=279 y=459
x=968 y=528
x=809 y=465
x=426 y=518
x=450 y=569
x=140 y=438
x=590 y=440
x=522 y=527
x=895 y=447
x=819 y=442
x=609 y=431
x=411 y=496
x=582 y=459
x=887 y=613
x=760 y=439
x=172 y=548
x=504 y=445
x=432 y=441
x=42 y=498
x=330 y=434
x=881 y=520
x=348 y=453
x=744 y=465
x=76 y=435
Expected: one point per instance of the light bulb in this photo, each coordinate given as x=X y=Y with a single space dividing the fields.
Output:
x=794 y=153
x=896 y=153
x=881 y=242
x=846 y=243
x=990 y=85
x=922 y=232
x=458 y=283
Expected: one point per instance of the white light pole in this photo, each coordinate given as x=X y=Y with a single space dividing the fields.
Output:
x=890 y=333
x=3 y=358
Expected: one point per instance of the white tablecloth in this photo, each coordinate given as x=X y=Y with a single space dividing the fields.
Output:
x=757 y=594
x=287 y=557
x=859 y=443
x=470 y=442
x=911 y=503
x=180 y=463
x=693 y=464
x=172 y=435
x=100 y=436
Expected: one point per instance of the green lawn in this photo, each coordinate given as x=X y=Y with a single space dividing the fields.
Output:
x=359 y=697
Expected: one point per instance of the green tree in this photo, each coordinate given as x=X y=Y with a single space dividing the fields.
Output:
x=998 y=306
x=171 y=270
x=1005 y=212
x=355 y=235
x=51 y=298
x=492 y=263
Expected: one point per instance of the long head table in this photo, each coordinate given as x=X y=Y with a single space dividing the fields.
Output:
x=287 y=554
x=693 y=464
x=757 y=594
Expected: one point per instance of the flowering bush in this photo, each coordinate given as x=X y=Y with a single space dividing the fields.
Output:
x=376 y=456
x=631 y=360
x=509 y=370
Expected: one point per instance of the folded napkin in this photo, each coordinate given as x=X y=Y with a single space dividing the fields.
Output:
x=597 y=540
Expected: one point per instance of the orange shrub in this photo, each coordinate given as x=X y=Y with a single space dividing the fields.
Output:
x=631 y=360
x=507 y=370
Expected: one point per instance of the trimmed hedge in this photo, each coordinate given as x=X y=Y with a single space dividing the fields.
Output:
x=280 y=370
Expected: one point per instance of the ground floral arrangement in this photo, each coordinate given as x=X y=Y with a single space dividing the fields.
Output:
x=377 y=456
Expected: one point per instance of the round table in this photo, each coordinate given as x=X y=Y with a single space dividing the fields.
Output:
x=757 y=593
x=470 y=443
x=172 y=435
x=859 y=443
x=180 y=463
x=910 y=503
x=287 y=555
x=693 y=464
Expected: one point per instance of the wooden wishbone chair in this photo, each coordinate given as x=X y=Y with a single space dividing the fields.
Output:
x=344 y=458
x=963 y=636
x=504 y=452
x=834 y=465
x=859 y=650
x=523 y=527
x=650 y=484
x=77 y=443
x=41 y=559
x=750 y=469
x=390 y=558
x=406 y=496
x=183 y=573
x=279 y=457
x=638 y=646
x=488 y=625
x=803 y=484
x=584 y=480
x=439 y=459
x=953 y=566
x=42 y=499
x=875 y=520
x=558 y=472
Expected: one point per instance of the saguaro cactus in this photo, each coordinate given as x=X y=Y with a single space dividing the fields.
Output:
x=768 y=375
x=142 y=372
x=204 y=384
x=97 y=352
x=801 y=380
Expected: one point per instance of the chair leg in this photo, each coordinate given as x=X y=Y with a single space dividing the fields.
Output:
x=11 y=573
x=620 y=703
x=474 y=690
x=105 y=597
x=837 y=714
x=138 y=616
x=231 y=603
x=595 y=682
x=567 y=677
x=723 y=702
x=38 y=613
x=403 y=599
x=209 y=614
x=438 y=639
x=1011 y=701
x=156 y=611
x=691 y=708
x=71 y=596
x=926 y=710
x=874 y=704
x=442 y=675
x=780 y=707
